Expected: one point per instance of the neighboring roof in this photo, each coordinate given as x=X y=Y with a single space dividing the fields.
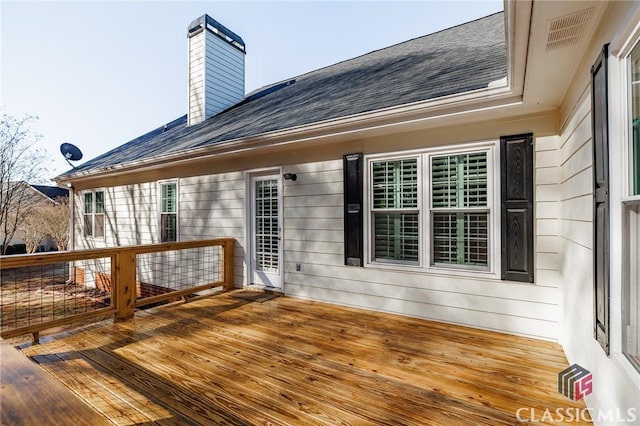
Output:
x=51 y=192
x=453 y=61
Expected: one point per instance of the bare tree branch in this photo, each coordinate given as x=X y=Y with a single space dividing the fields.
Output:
x=20 y=163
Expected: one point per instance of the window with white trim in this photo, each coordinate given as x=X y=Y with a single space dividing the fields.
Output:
x=94 y=214
x=459 y=210
x=440 y=218
x=631 y=224
x=634 y=94
x=168 y=212
x=395 y=211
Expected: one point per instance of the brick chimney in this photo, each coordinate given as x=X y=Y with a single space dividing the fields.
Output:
x=216 y=69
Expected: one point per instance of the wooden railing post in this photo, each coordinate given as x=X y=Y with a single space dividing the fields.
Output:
x=124 y=288
x=228 y=247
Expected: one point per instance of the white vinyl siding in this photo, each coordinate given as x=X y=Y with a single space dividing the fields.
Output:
x=213 y=206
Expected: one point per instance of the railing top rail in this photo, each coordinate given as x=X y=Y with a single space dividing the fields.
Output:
x=19 y=261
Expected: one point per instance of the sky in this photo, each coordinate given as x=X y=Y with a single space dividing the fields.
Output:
x=98 y=74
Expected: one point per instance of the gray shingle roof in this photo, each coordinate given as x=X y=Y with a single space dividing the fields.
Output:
x=52 y=192
x=456 y=60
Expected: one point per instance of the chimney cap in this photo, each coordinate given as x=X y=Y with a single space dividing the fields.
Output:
x=207 y=22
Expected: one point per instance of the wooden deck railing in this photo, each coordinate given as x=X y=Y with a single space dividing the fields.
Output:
x=41 y=291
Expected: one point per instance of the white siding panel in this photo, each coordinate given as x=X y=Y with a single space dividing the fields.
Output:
x=547 y=192
x=549 y=227
x=327 y=201
x=577 y=185
x=313 y=224
x=318 y=212
x=547 y=175
x=431 y=297
x=548 y=244
x=579 y=232
x=213 y=206
x=465 y=286
x=318 y=235
x=579 y=208
x=546 y=158
x=325 y=188
x=491 y=321
x=547 y=210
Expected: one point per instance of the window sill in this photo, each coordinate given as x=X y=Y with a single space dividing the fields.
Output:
x=631 y=201
x=434 y=270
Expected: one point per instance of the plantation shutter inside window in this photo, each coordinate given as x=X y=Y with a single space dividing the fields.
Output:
x=395 y=210
x=460 y=215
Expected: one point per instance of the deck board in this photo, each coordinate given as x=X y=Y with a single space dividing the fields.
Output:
x=223 y=360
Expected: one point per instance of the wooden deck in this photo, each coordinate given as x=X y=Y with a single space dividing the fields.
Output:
x=223 y=360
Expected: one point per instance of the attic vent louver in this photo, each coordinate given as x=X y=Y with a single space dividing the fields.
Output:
x=566 y=30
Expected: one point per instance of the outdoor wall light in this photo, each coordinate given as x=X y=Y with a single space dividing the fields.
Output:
x=290 y=176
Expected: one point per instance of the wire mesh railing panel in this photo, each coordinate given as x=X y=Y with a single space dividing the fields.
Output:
x=167 y=272
x=36 y=295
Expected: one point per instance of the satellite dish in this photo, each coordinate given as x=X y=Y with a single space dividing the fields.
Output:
x=71 y=153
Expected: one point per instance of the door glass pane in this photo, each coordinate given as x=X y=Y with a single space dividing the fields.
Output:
x=267 y=225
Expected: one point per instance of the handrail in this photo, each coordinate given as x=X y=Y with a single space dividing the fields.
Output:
x=35 y=259
x=122 y=277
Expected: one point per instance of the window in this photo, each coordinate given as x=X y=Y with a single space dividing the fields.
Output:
x=459 y=210
x=169 y=212
x=631 y=224
x=631 y=291
x=445 y=213
x=94 y=214
x=395 y=213
x=634 y=72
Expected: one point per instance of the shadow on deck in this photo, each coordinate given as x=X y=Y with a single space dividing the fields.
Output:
x=225 y=360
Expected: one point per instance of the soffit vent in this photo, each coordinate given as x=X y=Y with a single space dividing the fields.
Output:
x=567 y=30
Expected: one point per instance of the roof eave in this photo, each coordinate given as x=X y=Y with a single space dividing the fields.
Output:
x=360 y=123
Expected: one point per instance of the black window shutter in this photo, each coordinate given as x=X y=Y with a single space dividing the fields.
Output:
x=516 y=179
x=353 y=226
x=600 y=127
